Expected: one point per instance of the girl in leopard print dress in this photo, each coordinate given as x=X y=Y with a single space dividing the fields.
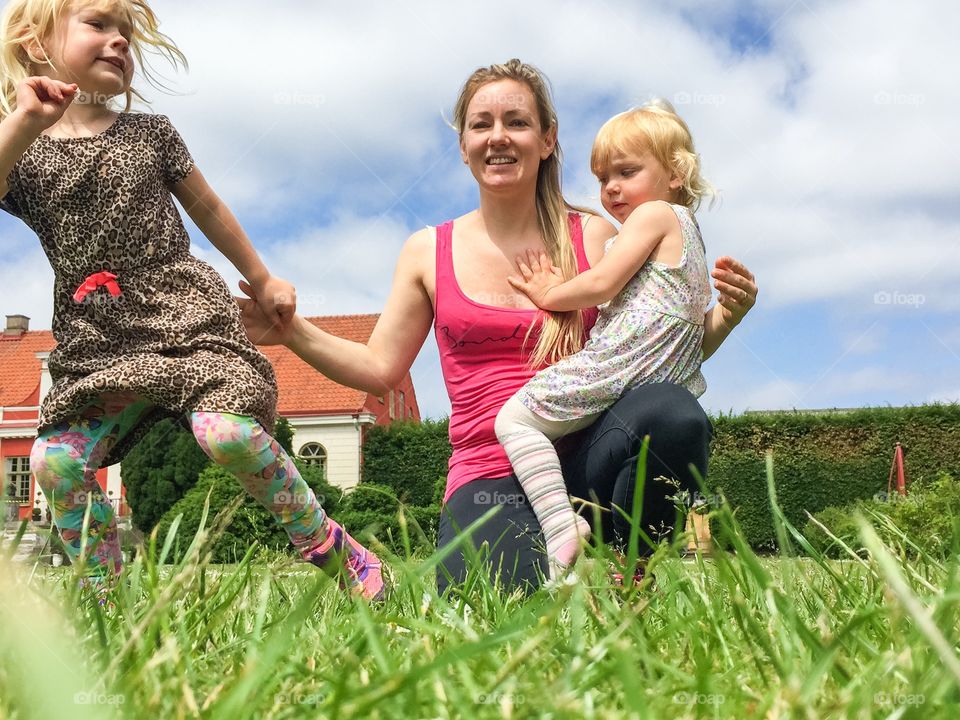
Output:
x=144 y=330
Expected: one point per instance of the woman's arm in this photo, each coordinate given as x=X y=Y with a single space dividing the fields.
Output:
x=738 y=293
x=642 y=232
x=381 y=363
x=220 y=226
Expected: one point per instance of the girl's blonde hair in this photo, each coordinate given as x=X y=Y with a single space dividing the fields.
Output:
x=561 y=333
x=655 y=128
x=28 y=24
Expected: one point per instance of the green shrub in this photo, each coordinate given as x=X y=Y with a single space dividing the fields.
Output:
x=825 y=459
x=160 y=470
x=374 y=509
x=927 y=516
x=251 y=525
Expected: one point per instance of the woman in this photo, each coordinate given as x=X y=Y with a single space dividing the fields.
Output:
x=454 y=278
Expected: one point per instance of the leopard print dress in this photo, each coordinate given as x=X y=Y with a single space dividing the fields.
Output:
x=173 y=335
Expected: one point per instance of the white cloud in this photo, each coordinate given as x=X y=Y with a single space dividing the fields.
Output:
x=830 y=133
x=769 y=395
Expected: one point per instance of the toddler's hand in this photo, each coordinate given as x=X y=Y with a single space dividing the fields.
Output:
x=278 y=300
x=44 y=100
x=539 y=277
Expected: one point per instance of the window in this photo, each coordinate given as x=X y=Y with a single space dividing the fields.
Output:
x=391 y=406
x=314 y=454
x=18 y=475
x=403 y=402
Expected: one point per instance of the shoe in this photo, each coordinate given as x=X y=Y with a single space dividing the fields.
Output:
x=357 y=569
x=639 y=573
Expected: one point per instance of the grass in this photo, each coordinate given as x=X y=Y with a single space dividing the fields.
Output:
x=732 y=636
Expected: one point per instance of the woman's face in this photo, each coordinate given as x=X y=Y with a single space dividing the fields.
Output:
x=502 y=140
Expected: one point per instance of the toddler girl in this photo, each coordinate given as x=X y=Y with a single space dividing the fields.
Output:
x=652 y=287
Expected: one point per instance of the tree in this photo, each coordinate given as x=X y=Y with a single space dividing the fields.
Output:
x=160 y=470
x=283 y=434
x=166 y=464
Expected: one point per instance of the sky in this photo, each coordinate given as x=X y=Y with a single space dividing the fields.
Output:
x=828 y=126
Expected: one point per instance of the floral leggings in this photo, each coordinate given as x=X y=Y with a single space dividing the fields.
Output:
x=65 y=460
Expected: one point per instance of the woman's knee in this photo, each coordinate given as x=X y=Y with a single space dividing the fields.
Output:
x=665 y=411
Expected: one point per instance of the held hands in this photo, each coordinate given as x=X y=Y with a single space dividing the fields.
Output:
x=269 y=311
x=43 y=100
x=738 y=290
x=539 y=277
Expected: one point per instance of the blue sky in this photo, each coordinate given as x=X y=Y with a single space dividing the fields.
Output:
x=828 y=126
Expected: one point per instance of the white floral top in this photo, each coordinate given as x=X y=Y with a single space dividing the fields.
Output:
x=651 y=332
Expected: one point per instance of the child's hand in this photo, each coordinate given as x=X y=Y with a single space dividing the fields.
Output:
x=262 y=329
x=44 y=100
x=277 y=299
x=539 y=277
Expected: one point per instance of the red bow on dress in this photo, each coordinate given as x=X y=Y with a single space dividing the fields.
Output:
x=97 y=280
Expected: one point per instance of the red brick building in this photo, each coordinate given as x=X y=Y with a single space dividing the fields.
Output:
x=329 y=420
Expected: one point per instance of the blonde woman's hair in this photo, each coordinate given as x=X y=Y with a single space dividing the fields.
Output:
x=561 y=334
x=28 y=25
x=655 y=128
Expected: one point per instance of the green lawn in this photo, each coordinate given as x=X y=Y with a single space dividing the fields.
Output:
x=733 y=636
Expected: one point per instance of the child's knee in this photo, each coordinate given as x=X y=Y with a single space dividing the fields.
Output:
x=54 y=462
x=509 y=419
x=501 y=425
x=226 y=438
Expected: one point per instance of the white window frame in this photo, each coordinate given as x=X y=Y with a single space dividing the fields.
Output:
x=18 y=470
x=314 y=458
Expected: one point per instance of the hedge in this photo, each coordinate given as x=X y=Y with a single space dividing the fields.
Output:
x=821 y=459
x=825 y=459
x=411 y=458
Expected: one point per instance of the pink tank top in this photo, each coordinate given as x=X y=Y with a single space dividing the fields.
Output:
x=483 y=363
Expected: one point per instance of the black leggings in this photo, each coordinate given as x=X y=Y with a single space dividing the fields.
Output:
x=599 y=464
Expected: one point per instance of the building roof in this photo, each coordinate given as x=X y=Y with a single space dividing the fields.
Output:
x=303 y=390
x=20 y=367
